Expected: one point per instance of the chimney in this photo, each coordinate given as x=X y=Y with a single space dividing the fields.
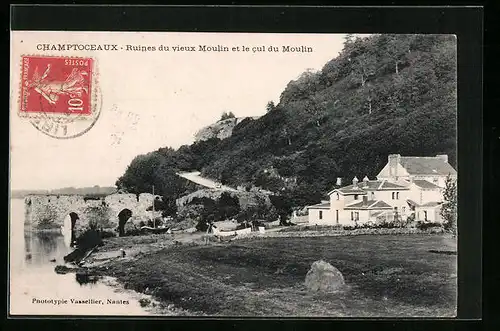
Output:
x=443 y=157
x=394 y=160
x=339 y=181
x=365 y=200
x=355 y=182
x=365 y=181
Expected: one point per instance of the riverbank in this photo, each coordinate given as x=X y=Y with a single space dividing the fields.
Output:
x=386 y=275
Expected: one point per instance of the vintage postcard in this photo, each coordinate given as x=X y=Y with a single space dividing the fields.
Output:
x=233 y=174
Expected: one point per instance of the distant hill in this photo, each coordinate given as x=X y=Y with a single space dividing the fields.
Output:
x=94 y=190
x=19 y=194
x=381 y=95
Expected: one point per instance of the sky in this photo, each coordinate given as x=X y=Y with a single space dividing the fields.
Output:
x=153 y=99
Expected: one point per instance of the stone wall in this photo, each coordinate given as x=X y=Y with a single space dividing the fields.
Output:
x=46 y=211
x=245 y=199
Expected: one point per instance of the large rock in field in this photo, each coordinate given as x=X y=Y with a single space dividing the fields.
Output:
x=324 y=277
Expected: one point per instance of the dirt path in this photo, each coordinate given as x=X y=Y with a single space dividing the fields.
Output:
x=196 y=178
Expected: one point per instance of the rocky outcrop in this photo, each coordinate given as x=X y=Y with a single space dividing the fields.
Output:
x=220 y=129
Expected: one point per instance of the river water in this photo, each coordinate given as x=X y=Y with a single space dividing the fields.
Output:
x=35 y=288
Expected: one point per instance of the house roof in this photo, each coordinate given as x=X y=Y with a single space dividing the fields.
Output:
x=427 y=204
x=421 y=165
x=425 y=184
x=369 y=204
x=372 y=185
x=324 y=205
x=412 y=203
x=431 y=204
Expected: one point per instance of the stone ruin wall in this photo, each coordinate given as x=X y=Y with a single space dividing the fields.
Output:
x=54 y=208
x=246 y=199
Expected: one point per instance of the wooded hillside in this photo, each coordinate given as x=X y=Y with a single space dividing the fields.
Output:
x=383 y=94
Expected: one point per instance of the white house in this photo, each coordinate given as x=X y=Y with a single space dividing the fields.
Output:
x=405 y=186
x=432 y=169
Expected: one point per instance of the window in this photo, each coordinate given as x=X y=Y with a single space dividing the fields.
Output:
x=356 y=215
x=373 y=195
x=338 y=196
x=404 y=209
x=352 y=216
x=397 y=195
x=393 y=195
x=320 y=214
x=355 y=197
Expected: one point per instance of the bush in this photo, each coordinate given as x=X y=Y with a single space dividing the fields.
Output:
x=376 y=225
x=133 y=232
x=257 y=223
x=202 y=226
x=90 y=238
x=426 y=225
x=98 y=215
x=107 y=234
x=47 y=218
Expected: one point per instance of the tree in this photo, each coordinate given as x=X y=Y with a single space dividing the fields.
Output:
x=169 y=207
x=449 y=206
x=349 y=39
x=364 y=67
x=227 y=115
x=283 y=207
x=396 y=49
x=270 y=106
x=228 y=206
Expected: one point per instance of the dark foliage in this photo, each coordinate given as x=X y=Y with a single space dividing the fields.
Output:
x=427 y=225
x=227 y=115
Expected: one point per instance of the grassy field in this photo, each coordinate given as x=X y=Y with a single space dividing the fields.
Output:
x=402 y=276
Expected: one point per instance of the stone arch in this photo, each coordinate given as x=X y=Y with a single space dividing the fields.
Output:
x=123 y=217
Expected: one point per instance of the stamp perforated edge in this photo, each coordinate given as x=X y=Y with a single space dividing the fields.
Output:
x=44 y=115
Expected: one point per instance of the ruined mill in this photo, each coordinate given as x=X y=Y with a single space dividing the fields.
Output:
x=49 y=211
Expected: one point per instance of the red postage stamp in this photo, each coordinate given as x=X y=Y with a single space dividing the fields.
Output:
x=58 y=85
x=59 y=95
